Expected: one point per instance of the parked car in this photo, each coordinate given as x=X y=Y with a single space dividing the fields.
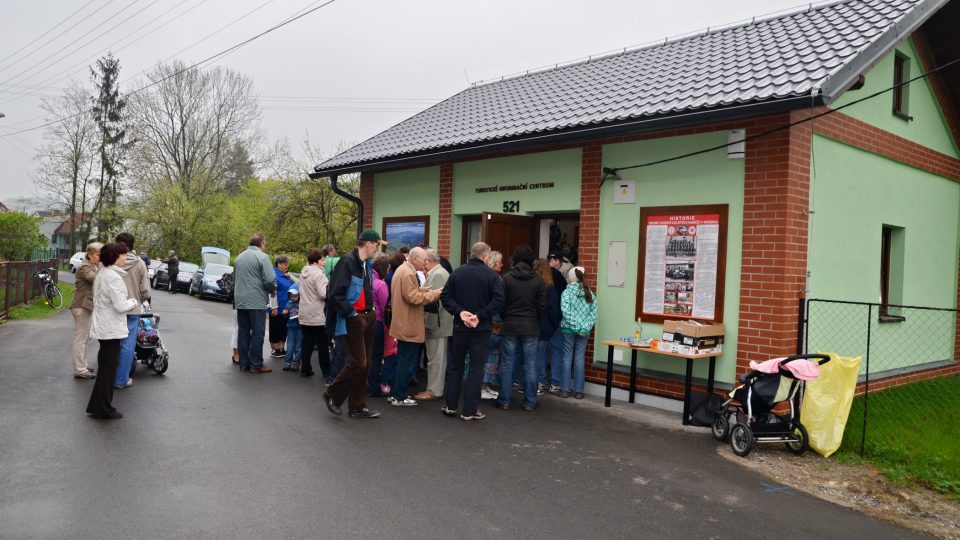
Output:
x=204 y=281
x=161 y=280
x=77 y=260
x=152 y=268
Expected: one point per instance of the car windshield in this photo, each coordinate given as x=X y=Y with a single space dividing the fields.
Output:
x=188 y=267
x=217 y=269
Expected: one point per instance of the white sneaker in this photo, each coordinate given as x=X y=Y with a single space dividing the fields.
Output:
x=406 y=402
x=486 y=393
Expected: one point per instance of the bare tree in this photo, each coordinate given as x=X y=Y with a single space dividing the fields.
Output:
x=68 y=157
x=195 y=128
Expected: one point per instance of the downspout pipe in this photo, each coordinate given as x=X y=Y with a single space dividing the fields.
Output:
x=350 y=197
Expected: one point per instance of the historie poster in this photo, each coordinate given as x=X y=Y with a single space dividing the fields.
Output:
x=680 y=274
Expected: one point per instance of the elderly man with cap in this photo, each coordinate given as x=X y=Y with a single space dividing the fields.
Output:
x=407 y=299
x=350 y=296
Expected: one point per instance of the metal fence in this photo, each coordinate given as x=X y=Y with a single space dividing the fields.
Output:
x=903 y=350
x=19 y=283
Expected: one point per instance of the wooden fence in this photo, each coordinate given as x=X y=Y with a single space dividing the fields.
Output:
x=19 y=283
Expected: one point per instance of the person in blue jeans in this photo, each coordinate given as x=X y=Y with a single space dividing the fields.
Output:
x=525 y=301
x=291 y=360
x=579 y=307
x=548 y=321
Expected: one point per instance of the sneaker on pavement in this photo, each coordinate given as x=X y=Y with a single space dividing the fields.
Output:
x=84 y=375
x=554 y=389
x=263 y=369
x=331 y=406
x=541 y=388
x=578 y=395
x=276 y=353
x=448 y=411
x=406 y=402
x=486 y=393
x=122 y=386
x=363 y=413
x=475 y=416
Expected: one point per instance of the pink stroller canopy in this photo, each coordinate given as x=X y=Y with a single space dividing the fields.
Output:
x=803 y=370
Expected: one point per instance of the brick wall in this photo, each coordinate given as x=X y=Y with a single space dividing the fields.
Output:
x=445 y=218
x=366 y=196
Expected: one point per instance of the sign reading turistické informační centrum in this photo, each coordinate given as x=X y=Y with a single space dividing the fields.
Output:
x=515 y=187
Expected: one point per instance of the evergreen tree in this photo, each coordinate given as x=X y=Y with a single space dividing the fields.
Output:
x=109 y=111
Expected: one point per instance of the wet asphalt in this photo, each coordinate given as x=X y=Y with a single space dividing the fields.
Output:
x=207 y=452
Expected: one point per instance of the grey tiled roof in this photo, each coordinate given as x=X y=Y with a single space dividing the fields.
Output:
x=783 y=57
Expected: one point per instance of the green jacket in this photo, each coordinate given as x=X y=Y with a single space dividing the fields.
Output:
x=253 y=279
x=579 y=316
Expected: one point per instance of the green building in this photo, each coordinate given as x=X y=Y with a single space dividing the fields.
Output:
x=723 y=176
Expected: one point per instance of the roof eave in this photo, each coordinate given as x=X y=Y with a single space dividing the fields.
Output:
x=846 y=75
x=680 y=120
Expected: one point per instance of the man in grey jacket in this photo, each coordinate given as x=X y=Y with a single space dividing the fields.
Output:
x=138 y=288
x=438 y=323
x=254 y=281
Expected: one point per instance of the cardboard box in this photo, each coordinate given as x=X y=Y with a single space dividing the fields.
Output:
x=699 y=342
x=684 y=349
x=693 y=328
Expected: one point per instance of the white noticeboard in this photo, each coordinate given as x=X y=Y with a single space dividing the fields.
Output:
x=617 y=264
x=624 y=191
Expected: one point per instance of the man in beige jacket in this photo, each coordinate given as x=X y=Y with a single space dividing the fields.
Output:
x=138 y=288
x=439 y=328
x=407 y=299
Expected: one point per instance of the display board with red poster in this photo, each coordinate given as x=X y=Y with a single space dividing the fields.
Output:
x=682 y=262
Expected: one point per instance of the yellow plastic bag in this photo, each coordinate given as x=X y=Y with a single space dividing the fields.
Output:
x=826 y=402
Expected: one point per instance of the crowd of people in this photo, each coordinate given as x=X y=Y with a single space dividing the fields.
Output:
x=373 y=320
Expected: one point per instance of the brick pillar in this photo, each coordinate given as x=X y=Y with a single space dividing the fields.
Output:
x=956 y=334
x=445 y=218
x=366 y=195
x=773 y=272
x=591 y=170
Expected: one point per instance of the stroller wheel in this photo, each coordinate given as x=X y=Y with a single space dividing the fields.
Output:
x=800 y=445
x=161 y=363
x=741 y=439
x=720 y=429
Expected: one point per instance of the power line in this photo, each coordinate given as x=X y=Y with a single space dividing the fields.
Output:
x=197 y=64
x=57 y=36
x=67 y=72
x=38 y=38
x=100 y=35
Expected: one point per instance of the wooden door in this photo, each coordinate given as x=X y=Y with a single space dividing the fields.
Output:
x=504 y=232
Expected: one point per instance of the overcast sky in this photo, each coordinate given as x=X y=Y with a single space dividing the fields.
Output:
x=344 y=72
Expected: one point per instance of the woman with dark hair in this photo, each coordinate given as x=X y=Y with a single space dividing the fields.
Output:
x=313 y=319
x=549 y=321
x=526 y=301
x=396 y=261
x=278 y=309
x=109 y=325
x=579 y=307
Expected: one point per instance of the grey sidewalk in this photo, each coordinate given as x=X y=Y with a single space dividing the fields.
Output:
x=207 y=452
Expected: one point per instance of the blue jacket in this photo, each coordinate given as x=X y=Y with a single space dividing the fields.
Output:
x=283 y=285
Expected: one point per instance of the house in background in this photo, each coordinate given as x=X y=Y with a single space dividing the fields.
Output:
x=691 y=181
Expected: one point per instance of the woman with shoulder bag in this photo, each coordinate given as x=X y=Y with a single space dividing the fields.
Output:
x=579 y=307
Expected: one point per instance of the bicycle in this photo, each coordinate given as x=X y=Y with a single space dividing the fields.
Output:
x=51 y=292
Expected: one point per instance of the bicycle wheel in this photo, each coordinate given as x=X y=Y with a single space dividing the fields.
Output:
x=53 y=295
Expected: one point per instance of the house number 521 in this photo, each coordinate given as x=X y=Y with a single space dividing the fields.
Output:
x=510 y=207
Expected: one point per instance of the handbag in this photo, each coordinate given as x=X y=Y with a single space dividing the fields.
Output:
x=387 y=314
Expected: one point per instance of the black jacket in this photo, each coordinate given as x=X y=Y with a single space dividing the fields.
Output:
x=173 y=266
x=347 y=269
x=473 y=287
x=559 y=281
x=526 y=301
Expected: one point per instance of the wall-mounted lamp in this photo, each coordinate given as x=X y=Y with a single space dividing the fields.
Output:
x=609 y=173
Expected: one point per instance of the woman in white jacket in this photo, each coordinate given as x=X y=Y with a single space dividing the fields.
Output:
x=109 y=326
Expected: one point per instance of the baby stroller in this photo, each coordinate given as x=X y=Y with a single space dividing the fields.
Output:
x=149 y=348
x=750 y=405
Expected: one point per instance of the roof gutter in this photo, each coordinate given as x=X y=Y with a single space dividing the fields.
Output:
x=680 y=120
x=350 y=197
x=839 y=81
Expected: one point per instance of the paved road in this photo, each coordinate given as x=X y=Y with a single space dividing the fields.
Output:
x=207 y=452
